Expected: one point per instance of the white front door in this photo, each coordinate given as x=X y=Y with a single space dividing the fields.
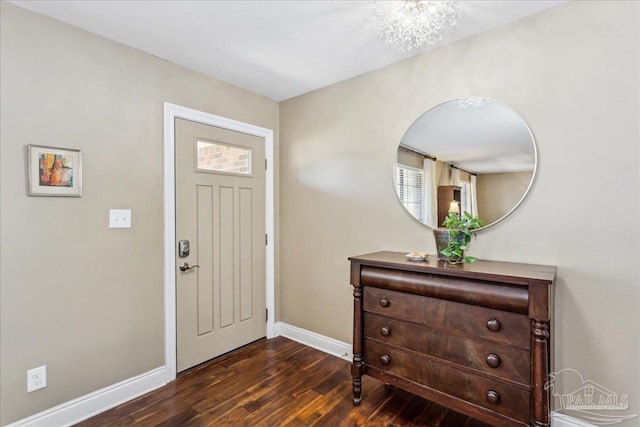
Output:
x=220 y=212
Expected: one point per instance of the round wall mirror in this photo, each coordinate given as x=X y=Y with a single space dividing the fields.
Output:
x=468 y=154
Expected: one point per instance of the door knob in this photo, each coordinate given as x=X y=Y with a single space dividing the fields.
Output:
x=185 y=266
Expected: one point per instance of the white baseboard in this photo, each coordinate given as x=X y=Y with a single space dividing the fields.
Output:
x=562 y=420
x=320 y=342
x=91 y=404
x=76 y=410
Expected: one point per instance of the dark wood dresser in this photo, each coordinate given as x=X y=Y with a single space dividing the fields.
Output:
x=472 y=337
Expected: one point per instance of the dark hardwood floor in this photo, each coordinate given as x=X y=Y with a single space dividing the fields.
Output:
x=276 y=382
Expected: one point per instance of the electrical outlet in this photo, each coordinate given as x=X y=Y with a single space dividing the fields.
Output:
x=36 y=378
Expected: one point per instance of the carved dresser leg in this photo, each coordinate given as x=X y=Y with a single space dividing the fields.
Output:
x=356 y=373
x=540 y=372
x=358 y=337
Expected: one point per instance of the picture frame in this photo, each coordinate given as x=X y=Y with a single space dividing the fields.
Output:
x=54 y=171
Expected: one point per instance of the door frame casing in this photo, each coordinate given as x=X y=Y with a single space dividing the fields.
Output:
x=172 y=112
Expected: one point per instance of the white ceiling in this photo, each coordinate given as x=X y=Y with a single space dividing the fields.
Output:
x=279 y=49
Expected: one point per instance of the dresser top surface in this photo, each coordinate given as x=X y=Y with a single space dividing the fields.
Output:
x=479 y=269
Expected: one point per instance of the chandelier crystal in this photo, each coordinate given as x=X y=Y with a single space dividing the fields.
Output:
x=470 y=101
x=411 y=23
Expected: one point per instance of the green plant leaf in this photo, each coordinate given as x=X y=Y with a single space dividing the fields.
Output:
x=470 y=259
x=460 y=236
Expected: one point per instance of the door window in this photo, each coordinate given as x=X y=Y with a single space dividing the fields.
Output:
x=219 y=157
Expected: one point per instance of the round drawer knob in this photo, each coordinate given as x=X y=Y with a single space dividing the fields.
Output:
x=493 y=360
x=384 y=302
x=493 y=397
x=493 y=325
x=385 y=359
x=385 y=330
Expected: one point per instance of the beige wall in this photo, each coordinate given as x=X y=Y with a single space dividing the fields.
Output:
x=572 y=73
x=85 y=300
x=88 y=301
x=498 y=193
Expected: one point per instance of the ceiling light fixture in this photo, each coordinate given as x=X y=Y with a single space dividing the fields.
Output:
x=411 y=23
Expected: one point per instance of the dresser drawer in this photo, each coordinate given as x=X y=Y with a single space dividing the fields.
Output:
x=509 y=401
x=496 y=325
x=491 y=358
x=498 y=295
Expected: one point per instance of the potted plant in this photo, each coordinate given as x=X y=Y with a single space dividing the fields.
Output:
x=459 y=231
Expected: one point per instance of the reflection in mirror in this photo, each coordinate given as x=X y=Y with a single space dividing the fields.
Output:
x=467 y=154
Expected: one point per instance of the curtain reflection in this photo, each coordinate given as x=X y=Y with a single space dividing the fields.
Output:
x=430 y=192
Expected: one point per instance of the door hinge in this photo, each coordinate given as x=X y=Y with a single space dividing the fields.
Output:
x=266 y=239
x=267 y=315
x=265 y=164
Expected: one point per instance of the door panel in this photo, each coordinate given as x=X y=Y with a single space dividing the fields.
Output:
x=227 y=255
x=205 y=251
x=246 y=261
x=220 y=205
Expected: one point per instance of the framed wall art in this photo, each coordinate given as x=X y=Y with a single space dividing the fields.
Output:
x=54 y=171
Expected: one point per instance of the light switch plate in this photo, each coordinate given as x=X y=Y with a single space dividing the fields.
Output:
x=119 y=218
